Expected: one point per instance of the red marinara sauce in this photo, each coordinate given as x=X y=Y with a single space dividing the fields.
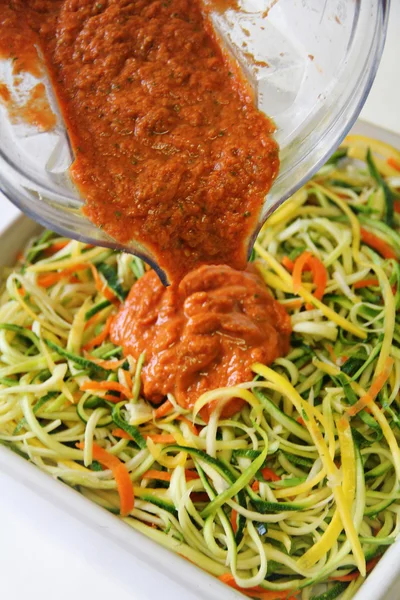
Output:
x=202 y=335
x=169 y=147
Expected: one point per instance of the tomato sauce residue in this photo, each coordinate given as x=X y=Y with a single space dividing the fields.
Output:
x=5 y=95
x=202 y=335
x=17 y=39
x=170 y=149
x=223 y=5
x=17 y=43
x=34 y=111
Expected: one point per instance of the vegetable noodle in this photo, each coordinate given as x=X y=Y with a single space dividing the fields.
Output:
x=297 y=496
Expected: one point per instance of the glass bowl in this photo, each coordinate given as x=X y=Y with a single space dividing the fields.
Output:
x=311 y=64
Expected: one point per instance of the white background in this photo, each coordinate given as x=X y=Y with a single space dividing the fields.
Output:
x=43 y=552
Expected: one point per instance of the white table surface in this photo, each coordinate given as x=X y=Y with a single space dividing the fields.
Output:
x=40 y=553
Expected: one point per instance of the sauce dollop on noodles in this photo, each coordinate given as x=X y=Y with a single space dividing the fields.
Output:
x=202 y=335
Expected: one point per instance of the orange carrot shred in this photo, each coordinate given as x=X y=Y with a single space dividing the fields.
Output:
x=162 y=410
x=255 y=486
x=320 y=276
x=191 y=425
x=120 y=473
x=374 y=390
x=256 y=591
x=154 y=474
x=190 y=474
x=294 y=303
x=165 y=476
x=319 y=273
x=106 y=364
x=55 y=247
x=48 y=279
x=301 y=421
x=234 y=515
x=161 y=438
x=298 y=268
x=377 y=244
x=99 y=339
x=128 y=380
x=93 y=320
x=102 y=287
x=392 y=162
x=365 y=283
x=269 y=474
x=121 y=433
x=112 y=398
x=332 y=354
x=351 y=576
x=287 y=263
x=397 y=206
x=115 y=386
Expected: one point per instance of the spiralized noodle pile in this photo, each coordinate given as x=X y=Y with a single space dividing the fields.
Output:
x=296 y=496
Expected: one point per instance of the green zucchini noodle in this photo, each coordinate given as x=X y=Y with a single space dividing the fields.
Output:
x=298 y=494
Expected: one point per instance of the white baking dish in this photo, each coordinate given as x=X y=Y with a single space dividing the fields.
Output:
x=186 y=582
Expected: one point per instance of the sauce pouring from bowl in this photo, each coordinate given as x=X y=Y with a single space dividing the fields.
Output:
x=169 y=147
